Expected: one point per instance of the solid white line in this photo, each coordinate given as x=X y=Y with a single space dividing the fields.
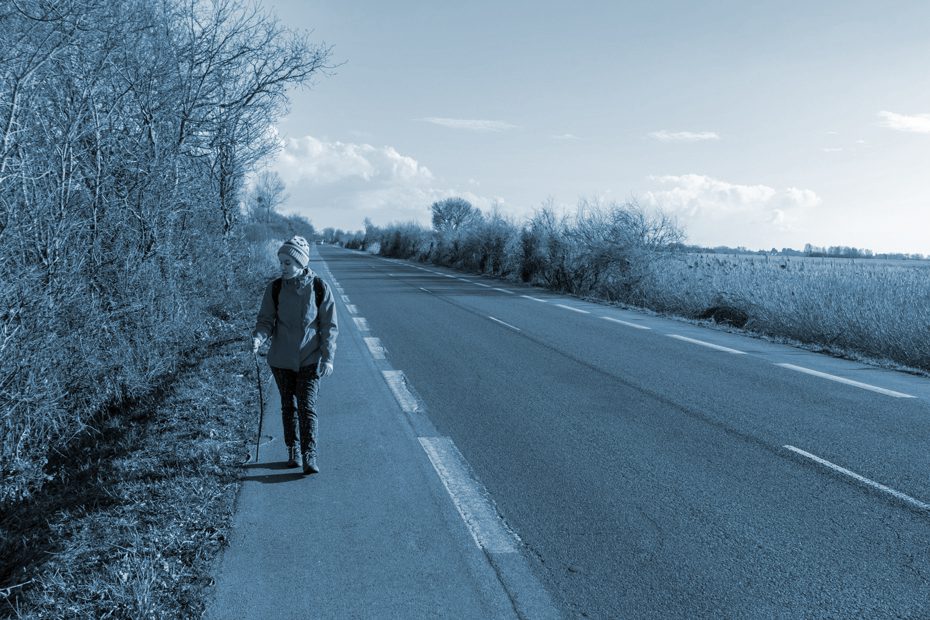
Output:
x=375 y=348
x=542 y=301
x=864 y=386
x=503 y=290
x=609 y=318
x=881 y=487
x=706 y=344
x=360 y=323
x=469 y=496
x=398 y=384
x=575 y=309
x=352 y=309
x=345 y=299
x=503 y=323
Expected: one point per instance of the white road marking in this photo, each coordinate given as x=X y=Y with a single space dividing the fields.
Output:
x=425 y=290
x=542 y=301
x=398 y=384
x=352 y=309
x=628 y=324
x=375 y=348
x=503 y=323
x=447 y=275
x=706 y=344
x=503 y=290
x=360 y=323
x=864 y=386
x=345 y=299
x=571 y=308
x=480 y=284
x=469 y=496
x=881 y=487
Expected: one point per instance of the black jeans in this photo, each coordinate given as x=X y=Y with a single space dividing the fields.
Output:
x=300 y=386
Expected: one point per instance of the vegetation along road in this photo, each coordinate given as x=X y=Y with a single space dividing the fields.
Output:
x=653 y=468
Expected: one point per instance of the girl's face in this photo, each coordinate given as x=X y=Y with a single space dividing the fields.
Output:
x=289 y=267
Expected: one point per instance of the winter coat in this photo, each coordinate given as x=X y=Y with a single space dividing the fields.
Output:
x=300 y=336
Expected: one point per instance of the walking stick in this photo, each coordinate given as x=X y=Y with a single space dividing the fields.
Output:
x=261 y=404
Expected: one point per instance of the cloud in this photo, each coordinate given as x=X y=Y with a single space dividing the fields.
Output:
x=684 y=136
x=831 y=149
x=339 y=184
x=470 y=125
x=566 y=137
x=719 y=212
x=916 y=123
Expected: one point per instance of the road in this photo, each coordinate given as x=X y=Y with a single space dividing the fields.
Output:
x=648 y=474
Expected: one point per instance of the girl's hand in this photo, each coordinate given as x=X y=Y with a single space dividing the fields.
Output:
x=326 y=369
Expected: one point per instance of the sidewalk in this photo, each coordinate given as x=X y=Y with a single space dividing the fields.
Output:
x=373 y=535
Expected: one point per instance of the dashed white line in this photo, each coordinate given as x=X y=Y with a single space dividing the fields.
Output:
x=345 y=299
x=360 y=323
x=504 y=323
x=627 y=323
x=864 y=386
x=480 y=284
x=425 y=290
x=542 y=301
x=398 y=384
x=374 y=347
x=572 y=308
x=352 y=309
x=881 y=487
x=469 y=496
x=503 y=290
x=706 y=344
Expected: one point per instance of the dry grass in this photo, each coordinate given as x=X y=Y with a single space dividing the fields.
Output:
x=137 y=511
x=879 y=309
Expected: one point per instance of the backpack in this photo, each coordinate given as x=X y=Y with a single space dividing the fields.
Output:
x=319 y=289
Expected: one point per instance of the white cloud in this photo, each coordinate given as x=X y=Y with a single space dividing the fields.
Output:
x=470 y=124
x=917 y=123
x=684 y=136
x=566 y=137
x=339 y=184
x=714 y=212
x=831 y=149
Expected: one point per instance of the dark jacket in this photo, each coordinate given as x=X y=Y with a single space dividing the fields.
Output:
x=300 y=336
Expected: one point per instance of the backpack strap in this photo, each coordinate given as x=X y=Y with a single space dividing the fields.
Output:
x=276 y=292
x=319 y=289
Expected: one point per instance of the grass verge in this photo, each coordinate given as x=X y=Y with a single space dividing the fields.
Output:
x=139 y=508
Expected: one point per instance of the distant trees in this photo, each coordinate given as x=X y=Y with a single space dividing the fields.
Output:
x=126 y=131
x=451 y=214
x=605 y=249
x=265 y=197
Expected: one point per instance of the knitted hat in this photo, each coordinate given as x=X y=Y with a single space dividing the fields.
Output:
x=297 y=248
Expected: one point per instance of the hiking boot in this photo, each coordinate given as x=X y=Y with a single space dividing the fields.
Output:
x=310 y=463
x=292 y=456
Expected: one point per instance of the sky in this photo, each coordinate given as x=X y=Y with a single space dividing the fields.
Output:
x=763 y=124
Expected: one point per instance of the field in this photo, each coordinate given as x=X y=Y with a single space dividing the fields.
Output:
x=874 y=307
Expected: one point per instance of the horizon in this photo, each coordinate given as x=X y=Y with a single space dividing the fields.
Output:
x=751 y=126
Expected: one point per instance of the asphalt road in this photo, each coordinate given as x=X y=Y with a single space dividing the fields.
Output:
x=651 y=476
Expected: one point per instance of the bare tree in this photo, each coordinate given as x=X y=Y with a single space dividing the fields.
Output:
x=451 y=214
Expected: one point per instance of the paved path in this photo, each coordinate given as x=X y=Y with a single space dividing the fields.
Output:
x=375 y=534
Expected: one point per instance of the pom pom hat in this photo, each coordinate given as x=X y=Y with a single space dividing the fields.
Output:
x=297 y=248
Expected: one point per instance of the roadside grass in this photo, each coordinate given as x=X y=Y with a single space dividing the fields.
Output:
x=875 y=311
x=131 y=526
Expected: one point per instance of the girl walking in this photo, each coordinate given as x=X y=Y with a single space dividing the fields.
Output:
x=299 y=315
